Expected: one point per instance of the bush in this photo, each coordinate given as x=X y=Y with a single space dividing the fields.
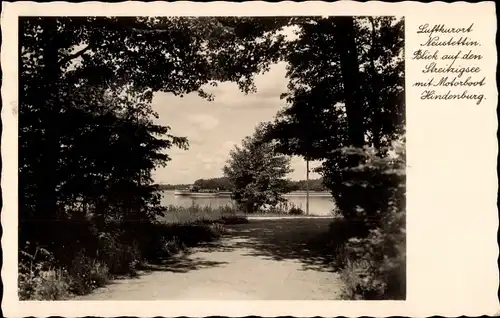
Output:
x=217 y=230
x=367 y=190
x=120 y=256
x=118 y=248
x=38 y=279
x=370 y=239
x=376 y=265
x=87 y=274
x=160 y=240
x=283 y=208
x=233 y=220
x=53 y=284
x=296 y=211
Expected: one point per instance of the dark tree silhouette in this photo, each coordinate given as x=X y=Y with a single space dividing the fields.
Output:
x=87 y=141
x=345 y=90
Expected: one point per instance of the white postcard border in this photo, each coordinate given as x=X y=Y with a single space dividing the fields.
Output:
x=455 y=275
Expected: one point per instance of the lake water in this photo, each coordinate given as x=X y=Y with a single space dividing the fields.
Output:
x=319 y=203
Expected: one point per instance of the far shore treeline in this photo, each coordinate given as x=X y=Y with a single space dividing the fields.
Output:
x=223 y=184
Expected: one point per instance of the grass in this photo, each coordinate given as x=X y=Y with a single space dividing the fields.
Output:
x=120 y=251
x=123 y=250
x=200 y=214
x=227 y=214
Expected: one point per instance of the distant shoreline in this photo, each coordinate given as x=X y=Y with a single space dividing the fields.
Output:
x=289 y=194
x=311 y=194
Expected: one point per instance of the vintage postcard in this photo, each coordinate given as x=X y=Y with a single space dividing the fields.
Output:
x=236 y=159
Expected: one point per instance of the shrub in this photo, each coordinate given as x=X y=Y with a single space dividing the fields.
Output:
x=116 y=249
x=119 y=257
x=173 y=246
x=284 y=208
x=370 y=240
x=217 y=229
x=53 y=284
x=296 y=211
x=87 y=274
x=161 y=240
x=37 y=277
x=367 y=190
x=26 y=284
x=233 y=220
x=376 y=265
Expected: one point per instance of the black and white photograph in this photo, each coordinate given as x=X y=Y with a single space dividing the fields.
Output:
x=249 y=159
x=211 y=158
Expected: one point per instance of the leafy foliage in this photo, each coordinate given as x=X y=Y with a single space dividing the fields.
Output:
x=313 y=185
x=257 y=173
x=85 y=116
x=296 y=211
x=340 y=98
x=345 y=107
x=88 y=144
x=222 y=184
x=87 y=140
x=376 y=263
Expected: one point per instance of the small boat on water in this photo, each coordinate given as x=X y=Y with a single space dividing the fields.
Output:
x=203 y=195
x=182 y=192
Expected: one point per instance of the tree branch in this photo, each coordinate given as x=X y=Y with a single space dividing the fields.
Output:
x=75 y=55
x=149 y=30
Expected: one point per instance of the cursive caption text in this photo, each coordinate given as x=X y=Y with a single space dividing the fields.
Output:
x=450 y=62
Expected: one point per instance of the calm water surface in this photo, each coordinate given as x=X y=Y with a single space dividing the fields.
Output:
x=318 y=204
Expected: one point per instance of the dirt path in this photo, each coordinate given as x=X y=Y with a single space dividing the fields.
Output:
x=261 y=260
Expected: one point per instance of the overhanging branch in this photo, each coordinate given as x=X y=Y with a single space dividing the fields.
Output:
x=75 y=55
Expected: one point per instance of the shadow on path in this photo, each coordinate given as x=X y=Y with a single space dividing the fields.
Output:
x=261 y=260
x=303 y=240
x=183 y=264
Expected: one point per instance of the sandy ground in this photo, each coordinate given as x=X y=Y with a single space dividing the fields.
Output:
x=263 y=260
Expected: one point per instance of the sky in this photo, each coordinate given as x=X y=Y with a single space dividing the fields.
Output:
x=214 y=128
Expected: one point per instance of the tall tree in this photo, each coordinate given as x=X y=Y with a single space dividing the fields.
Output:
x=257 y=173
x=74 y=74
x=345 y=42
x=345 y=90
x=329 y=107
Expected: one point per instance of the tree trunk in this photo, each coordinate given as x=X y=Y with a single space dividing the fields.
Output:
x=344 y=37
x=374 y=104
x=307 y=186
x=46 y=206
x=349 y=65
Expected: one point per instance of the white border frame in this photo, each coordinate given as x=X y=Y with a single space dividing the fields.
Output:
x=449 y=273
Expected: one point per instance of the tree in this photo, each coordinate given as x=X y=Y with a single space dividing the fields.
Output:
x=87 y=139
x=257 y=173
x=86 y=133
x=222 y=184
x=329 y=106
x=314 y=185
x=345 y=90
x=106 y=154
